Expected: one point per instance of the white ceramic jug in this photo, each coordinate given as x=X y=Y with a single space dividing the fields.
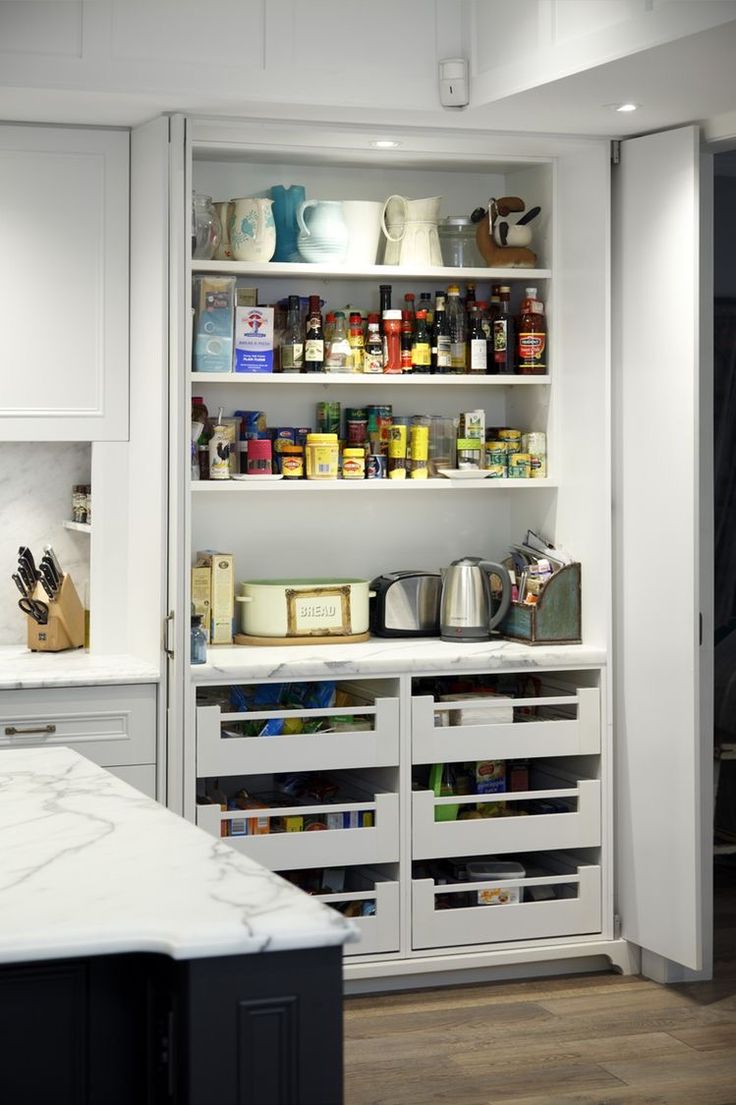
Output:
x=324 y=237
x=363 y=222
x=252 y=229
x=224 y=209
x=411 y=233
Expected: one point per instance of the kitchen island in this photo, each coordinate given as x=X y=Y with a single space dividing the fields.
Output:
x=132 y=946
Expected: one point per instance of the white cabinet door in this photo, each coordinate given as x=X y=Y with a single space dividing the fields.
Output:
x=63 y=284
x=661 y=370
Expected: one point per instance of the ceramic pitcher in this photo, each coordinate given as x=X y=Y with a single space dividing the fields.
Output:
x=363 y=220
x=252 y=229
x=285 y=203
x=323 y=235
x=411 y=232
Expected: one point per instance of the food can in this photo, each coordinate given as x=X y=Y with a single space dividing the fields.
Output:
x=520 y=466
x=497 y=471
x=535 y=444
x=376 y=469
x=322 y=456
x=512 y=439
x=356 y=425
x=328 y=418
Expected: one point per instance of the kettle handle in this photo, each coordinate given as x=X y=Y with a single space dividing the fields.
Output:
x=492 y=568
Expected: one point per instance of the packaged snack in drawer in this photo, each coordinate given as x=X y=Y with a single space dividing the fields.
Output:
x=499 y=708
x=490 y=777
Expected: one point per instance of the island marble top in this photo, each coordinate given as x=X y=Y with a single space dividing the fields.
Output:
x=90 y=866
x=387 y=656
x=22 y=669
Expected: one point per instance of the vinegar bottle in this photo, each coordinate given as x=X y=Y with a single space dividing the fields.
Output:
x=531 y=336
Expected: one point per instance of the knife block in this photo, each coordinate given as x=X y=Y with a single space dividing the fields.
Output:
x=65 y=627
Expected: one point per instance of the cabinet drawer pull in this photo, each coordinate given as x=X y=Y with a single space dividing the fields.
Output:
x=12 y=730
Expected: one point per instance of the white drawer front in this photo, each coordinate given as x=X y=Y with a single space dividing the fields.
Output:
x=376 y=747
x=140 y=776
x=578 y=829
x=325 y=848
x=435 y=741
x=485 y=924
x=110 y=725
x=379 y=933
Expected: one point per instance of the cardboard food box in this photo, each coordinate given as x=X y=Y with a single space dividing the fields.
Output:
x=222 y=592
x=214 y=307
x=201 y=595
x=253 y=339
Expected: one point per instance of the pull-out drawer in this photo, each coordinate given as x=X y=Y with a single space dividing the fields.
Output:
x=369 y=897
x=574 y=910
x=374 y=843
x=554 y=724
x=112 y=726
x=372 y=742
x=580 y=827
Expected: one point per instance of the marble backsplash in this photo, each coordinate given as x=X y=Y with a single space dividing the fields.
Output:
x=36 y=480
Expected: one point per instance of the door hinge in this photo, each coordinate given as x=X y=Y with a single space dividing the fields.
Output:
x=616 y=926
x=169 y=634
x=615 y=151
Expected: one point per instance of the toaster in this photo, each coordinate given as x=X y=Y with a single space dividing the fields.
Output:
x=406 y=604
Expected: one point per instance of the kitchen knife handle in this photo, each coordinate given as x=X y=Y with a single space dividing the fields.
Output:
x=13 y=730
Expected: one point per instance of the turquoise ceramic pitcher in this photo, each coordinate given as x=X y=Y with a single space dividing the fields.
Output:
x=285 y=203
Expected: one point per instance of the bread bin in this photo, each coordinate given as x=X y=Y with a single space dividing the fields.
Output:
x=303 y=607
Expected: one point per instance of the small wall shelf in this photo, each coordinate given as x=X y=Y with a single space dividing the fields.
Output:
x=78 y=527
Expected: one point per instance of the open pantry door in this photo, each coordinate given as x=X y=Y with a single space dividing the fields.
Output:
x=662 y=524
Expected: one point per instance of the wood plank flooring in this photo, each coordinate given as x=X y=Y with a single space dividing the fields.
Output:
x=598 y=1039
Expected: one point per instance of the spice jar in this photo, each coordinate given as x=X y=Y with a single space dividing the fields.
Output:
x=321 y=456
x=392 y=341
x=292 y=462
x=353 y=464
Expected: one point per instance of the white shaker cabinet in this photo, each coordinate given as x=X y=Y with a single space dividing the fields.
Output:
x=64 y=284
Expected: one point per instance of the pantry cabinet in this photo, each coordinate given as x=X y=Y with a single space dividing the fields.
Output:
x=64 y=283
x=585 y=832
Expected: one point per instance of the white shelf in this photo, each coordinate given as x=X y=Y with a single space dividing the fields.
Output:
x=384 y=486
x=379 y=272
x=78 y=527
x=289 y=379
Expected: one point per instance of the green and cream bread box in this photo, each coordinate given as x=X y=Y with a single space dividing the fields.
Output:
x=303 y=607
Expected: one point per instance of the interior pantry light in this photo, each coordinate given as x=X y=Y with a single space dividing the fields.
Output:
x=385 y=144
x=623 y=107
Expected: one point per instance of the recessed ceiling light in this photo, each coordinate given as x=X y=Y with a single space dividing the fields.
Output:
x=623 y=107
x=385 y=144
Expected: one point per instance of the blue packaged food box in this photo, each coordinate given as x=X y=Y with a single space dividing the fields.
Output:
x=214 y=307
x=253 y=339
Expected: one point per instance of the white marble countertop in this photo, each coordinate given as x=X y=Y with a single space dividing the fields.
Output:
x=90 y=866
x=383 y=656
x=22 y=669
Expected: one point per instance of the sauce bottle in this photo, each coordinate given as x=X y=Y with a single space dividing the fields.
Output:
x=477 y=344
x=292 y=342
x=373 y=353
x=457 y=328
x=531 y=339
x=420 y=347
x=440 y=338
x=504 y=345
x=407 y=331
x=357 y=342
x=314 y=341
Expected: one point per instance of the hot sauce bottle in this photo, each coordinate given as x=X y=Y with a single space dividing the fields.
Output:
x=531 y=336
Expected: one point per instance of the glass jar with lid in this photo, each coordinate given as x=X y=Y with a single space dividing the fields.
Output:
x=206 y=228
x=457 y=238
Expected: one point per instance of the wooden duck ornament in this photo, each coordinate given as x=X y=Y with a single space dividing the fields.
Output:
x=503 y=244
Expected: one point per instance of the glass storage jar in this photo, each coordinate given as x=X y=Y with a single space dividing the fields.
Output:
x=206 y=229
x=457 y=239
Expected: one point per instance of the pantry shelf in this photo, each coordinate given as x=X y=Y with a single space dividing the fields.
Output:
x=382 y=486
x=78 y=527
x=378 y=272
x=359 y=379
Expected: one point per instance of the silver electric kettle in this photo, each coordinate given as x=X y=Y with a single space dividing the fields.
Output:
x=465 y=605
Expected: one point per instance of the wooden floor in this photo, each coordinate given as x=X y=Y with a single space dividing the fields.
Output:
x=597 y=1039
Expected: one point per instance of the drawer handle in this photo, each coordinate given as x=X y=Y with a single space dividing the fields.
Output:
x=12 y=730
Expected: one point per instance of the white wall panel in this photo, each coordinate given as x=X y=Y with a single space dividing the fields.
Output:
x=228 y=33
x=41 y=28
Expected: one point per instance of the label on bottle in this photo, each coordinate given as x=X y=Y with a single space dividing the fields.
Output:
x=444 y=356
x=373 y=358
x=292 y=357
x=314 y=350
x=457 y=355
x=421 y=354
x=478 y=355
x=531 y=349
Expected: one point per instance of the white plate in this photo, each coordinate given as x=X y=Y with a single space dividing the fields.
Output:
x=464 y=473
x=274 y=476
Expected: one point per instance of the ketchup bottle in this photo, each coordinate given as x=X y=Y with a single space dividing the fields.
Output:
x=531 y=336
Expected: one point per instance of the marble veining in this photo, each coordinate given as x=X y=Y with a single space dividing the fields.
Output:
x=22 y=669
x=89 y=865
x=383 y=656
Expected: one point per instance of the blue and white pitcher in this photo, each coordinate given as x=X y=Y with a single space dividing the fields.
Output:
x=324 y=237
x=252 y=229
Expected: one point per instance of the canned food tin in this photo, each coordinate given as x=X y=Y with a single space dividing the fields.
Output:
x=512 y=439
x=328 y=418
x=496 y=453
x=520 y=466
x=356 y=425
x=497 y=471
x=376 y=469
x=535 y=444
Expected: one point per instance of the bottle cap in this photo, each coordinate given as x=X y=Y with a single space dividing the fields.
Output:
x=421 y=313
x=196 y=620
x=453 y=289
